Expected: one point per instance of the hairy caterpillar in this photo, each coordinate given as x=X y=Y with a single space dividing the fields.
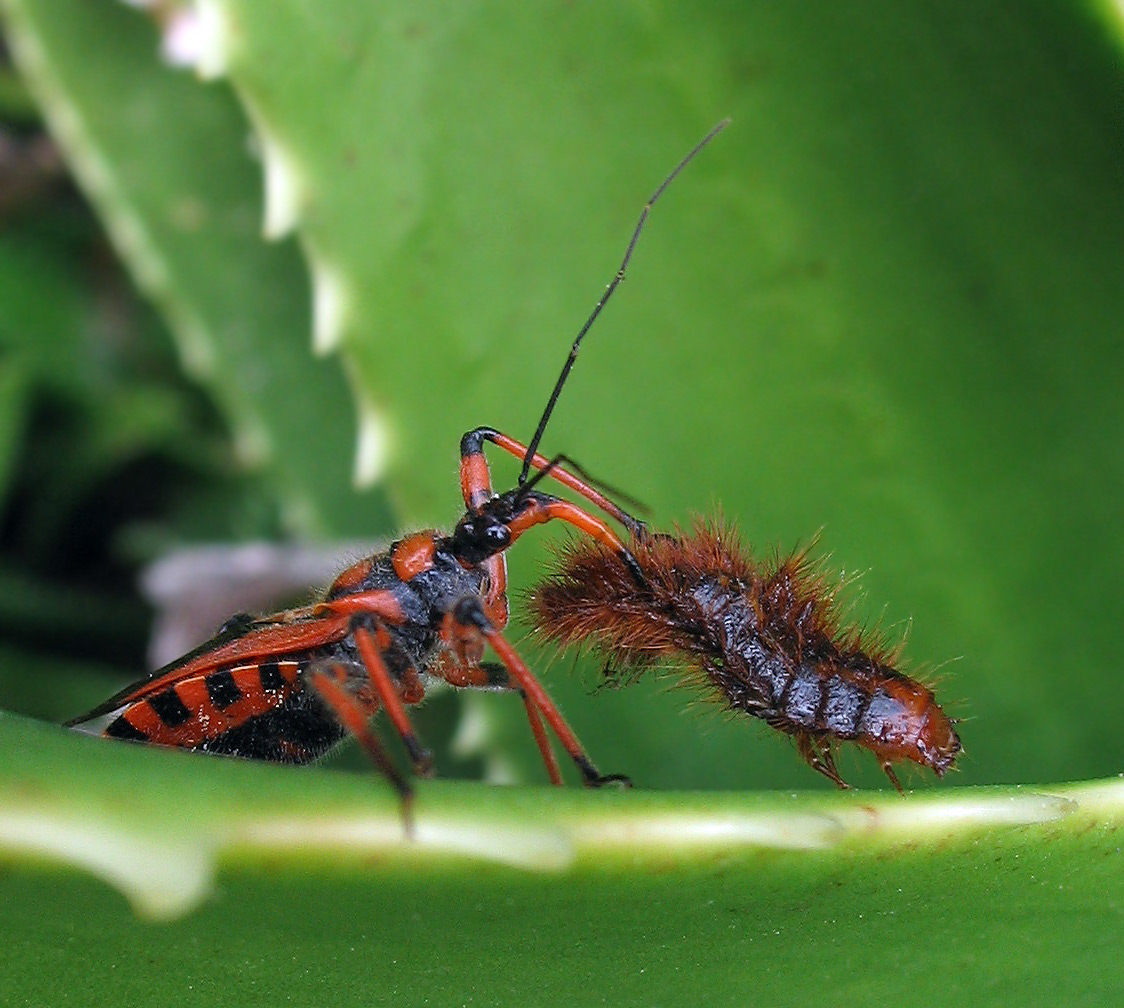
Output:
x=764 y=639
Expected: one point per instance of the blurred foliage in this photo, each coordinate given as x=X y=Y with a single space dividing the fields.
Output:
x=107 y=452
x=884 y=306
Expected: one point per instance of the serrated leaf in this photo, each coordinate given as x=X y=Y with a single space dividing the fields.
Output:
x=886 y=303
x=883 y=304
x=166 y=162
x=847 y=325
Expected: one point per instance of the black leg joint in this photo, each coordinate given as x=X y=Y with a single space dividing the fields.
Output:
x=591 y=777
x=469 y=611
x=472 y=442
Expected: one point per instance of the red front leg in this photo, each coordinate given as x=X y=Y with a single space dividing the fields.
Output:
x=467 y=674
x=476 y=481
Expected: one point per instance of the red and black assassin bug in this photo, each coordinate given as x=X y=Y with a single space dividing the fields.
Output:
x=287 y=687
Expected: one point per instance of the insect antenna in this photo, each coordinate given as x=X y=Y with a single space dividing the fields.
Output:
x=615 y=495
x=532 y=447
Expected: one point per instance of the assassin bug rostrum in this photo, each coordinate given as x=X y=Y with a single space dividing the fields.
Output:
x=289 y=686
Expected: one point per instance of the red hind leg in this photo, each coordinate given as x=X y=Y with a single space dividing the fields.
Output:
x=328 y=683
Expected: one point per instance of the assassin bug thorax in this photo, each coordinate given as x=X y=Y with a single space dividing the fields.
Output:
x=289 y=686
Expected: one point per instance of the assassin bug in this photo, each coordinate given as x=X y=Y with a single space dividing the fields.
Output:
x=289 y=686
x=763 y=639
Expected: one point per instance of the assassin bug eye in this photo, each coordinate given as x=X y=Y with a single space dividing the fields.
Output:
x=497 y=536
x=477 y=538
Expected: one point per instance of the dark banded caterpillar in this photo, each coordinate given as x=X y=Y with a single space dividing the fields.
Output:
x=766 y=640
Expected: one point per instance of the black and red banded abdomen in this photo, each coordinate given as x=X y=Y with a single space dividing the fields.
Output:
x=257 y=710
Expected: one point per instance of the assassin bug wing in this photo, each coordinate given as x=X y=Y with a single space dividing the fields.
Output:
x=256 y=710
x=191 y=709
x=238 y=640
x=233 y=629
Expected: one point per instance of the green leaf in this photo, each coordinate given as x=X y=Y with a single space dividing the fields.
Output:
x=885 y=304
x=304 y=881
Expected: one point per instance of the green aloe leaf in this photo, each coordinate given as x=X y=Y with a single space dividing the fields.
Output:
x=305 y=884
x=885 y=305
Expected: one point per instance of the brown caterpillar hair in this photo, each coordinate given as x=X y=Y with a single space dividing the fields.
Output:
x=767 y=640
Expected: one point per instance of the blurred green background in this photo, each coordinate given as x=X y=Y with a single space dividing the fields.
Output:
x=884 y=306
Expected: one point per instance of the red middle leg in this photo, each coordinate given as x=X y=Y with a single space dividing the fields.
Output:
x=458 y=672
x=469 y=612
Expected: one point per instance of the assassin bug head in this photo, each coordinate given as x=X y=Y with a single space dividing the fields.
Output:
x=483 y=533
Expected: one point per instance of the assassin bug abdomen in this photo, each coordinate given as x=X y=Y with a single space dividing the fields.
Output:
x=242 y=693
x=766 y=640
x=289 y=686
